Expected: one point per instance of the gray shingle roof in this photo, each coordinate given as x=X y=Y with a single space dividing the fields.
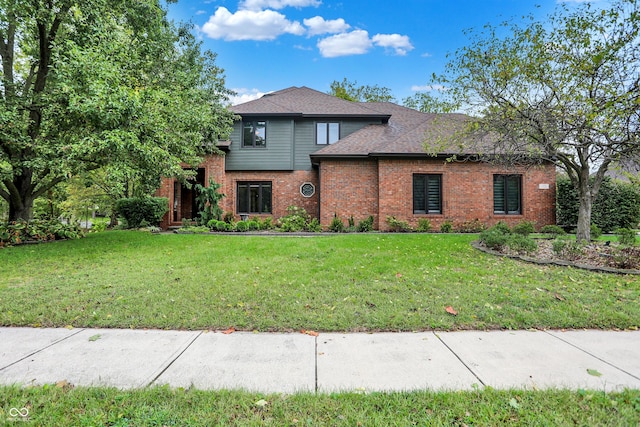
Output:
x=403 y=132
x=305 y=102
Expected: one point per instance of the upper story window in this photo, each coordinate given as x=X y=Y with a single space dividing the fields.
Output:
x=327 y=133
x=254 y=134
x=507 y=194
x=427 y=194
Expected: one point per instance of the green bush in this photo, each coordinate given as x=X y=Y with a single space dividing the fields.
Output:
x=337 y=226
x=135 y=210
x=494 y=238
x=524 y=228
x=207 y=199
x=266 y=224
x=424 y=225
x=502 y=227
x=475 y=226
x=253 y=224
x=296 y=219
x=446 y=227
x=521 y=244
x=596 y=232
x=242 y=226
x=398 y=225
x=314 y=226
x=553 y=230
x=626 y=236
x=616 y=206
x=37 y=230
x=366 y=225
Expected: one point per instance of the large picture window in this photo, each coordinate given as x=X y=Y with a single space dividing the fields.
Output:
x=327 y=133
x=507 y=194
x=427 y=194
x=254 y=134
x=254 y=197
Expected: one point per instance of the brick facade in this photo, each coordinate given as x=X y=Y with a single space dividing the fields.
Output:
x=383 y=187
x=285 y=191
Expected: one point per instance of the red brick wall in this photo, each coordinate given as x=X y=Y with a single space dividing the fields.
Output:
x=382 y=188
x=348 y=187
x=385 y=188
x=285 y=187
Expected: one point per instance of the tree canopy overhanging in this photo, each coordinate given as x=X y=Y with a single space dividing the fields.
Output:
x=566 y=91
x=87 y=84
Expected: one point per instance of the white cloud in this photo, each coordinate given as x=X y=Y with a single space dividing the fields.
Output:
x=400 y=44
x=318 y=25
x=426 y=55
x=201 y=12
x=277 y=4
x=245 y=95
x=354 y=43
x=249 y=25
x=429 y=88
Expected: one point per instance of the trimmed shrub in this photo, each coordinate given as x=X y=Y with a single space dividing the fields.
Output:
x=446 y=227
x=18 y=232
x=314 y=226
x=337 y=226
x=366 y=225
x=616 y=206
x=494 y=239
x=135 y=210
x=398 y=225
x=295 y=220
x=502 y=227
x=521 y=244
x=424 y=225
x=524 y=228
x=242 y=226
x=475 y=226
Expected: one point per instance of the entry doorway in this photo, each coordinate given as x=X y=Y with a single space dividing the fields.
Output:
x=184 y=198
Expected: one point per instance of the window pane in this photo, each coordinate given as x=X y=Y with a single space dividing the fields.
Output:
x=334 y=132
x=513 y=194
x=433 y=194
x=243 y=198
x=247 y=140
x=498 y=194
x=261 y=134
x=419 y=194
x=321 y=133
x=266 y=198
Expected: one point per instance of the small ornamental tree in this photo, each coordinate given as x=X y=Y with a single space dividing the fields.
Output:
x=564 y=91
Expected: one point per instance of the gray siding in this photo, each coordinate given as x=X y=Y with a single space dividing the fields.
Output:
x=289 y=144
x=278 y=154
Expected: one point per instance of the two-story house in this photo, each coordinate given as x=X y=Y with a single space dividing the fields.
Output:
x=331 y=157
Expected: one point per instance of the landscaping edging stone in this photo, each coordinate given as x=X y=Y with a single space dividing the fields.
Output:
x=561 y=263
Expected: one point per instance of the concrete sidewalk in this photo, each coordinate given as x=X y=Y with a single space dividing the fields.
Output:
x=270 y=362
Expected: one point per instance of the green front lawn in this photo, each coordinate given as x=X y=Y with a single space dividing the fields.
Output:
x=346 y=282
x=52 y=406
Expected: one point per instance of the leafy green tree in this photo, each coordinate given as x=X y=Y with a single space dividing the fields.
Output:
x=565 y=91
x=101 y=83
x=427 y=103
x=352 y=92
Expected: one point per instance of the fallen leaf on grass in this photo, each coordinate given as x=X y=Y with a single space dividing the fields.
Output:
x=594 y=372
x=558 y=297
x=262 y=403
x=229 y=331
x=398 y=275
x=514 y=403
x=311 y=333
x=451 y=310
x=64 y=384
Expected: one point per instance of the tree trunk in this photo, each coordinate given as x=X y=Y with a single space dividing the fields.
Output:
x=21 y=197
x=21 y=211
x=583 y=233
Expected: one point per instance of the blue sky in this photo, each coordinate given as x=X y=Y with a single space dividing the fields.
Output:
x=267 y=45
